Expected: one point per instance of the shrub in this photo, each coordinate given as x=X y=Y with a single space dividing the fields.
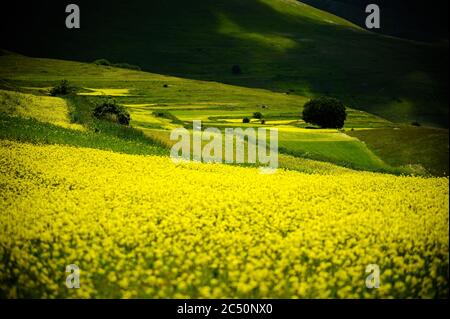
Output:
x=257 y=115
x=111 y=111
x=325 y=112
x=415 y=123
x=63 y=88
x=263 y=122
x=236 y=70
x=245 y=120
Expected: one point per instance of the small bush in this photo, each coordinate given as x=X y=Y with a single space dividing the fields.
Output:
x=257 y=115
x=245 y=120
x=263 y=122
x=236 y=70
x=325 y=112
x=111 y=111
x=63 y=88
x=415 y=123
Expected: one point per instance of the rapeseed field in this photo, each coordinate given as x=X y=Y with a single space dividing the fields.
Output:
x=143 y=226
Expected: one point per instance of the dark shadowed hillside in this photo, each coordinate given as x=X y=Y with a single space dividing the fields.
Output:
x=281 y=45
x=414 y=19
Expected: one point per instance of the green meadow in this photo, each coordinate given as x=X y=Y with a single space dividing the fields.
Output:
x=159 y=103
x=289 y=53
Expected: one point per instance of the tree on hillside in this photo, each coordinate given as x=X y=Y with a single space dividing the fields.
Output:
x=111 y=111
x=257 y=115
x=62 y=88
x=325 y=112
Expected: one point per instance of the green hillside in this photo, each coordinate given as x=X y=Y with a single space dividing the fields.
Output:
x=26 y=83
x=280 y=45
x=181 y=100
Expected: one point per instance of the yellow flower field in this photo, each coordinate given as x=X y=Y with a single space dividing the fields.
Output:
x=145 y=227
x=48 y=109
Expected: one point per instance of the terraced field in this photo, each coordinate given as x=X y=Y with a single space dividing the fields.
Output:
x=217 y=105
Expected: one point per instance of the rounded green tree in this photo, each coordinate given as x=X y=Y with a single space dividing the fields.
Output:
x=325 y=112
x=257 y=115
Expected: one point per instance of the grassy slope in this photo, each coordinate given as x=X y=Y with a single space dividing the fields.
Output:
x=329 y=145
x=30 y=130
x=189 y=100
x=51 y=120
x=410 y=146
x=214 y=103
x=53 y=110
x=280 y=45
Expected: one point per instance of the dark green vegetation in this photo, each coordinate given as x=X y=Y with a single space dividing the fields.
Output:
x=280 y=45
x=257 y=115
x=111 y=111
x=405 y=146
x=62 y=88
x=325 y=112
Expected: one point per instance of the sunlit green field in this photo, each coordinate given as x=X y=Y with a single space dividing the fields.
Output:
x=216 y=105
x=424 y=147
